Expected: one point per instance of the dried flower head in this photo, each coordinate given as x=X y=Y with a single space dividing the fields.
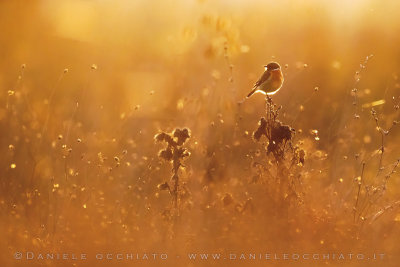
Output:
x=174 y=153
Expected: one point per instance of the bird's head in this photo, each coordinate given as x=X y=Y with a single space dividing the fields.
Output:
x=272 y=66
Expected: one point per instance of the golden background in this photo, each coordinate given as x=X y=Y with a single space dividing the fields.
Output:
x=85 y=86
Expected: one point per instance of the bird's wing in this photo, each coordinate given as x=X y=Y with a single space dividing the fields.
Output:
x=263 y=78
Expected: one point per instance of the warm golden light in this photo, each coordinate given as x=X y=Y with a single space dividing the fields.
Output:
x=125 y=127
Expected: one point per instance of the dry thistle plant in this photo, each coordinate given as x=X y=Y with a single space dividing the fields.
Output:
x=174 y=153
x=280 y=137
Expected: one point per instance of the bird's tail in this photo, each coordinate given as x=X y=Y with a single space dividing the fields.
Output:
x=252 y=92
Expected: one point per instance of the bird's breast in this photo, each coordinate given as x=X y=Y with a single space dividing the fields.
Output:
x=276 y=79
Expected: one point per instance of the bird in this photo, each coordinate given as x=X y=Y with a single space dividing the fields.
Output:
x=270 y=82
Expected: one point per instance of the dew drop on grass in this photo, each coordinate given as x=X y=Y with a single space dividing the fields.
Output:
x=367 y=139
x=180 y=104
x=244 y=49
x=216 y=74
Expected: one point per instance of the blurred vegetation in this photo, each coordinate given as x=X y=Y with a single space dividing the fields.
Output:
x=86 y=85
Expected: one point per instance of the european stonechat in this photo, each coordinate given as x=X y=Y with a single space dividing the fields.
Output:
x=270 y=82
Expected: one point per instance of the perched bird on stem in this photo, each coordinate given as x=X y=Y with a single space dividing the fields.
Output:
x=270 y=82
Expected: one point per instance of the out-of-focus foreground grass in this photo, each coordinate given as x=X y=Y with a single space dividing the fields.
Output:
x=85 y=85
